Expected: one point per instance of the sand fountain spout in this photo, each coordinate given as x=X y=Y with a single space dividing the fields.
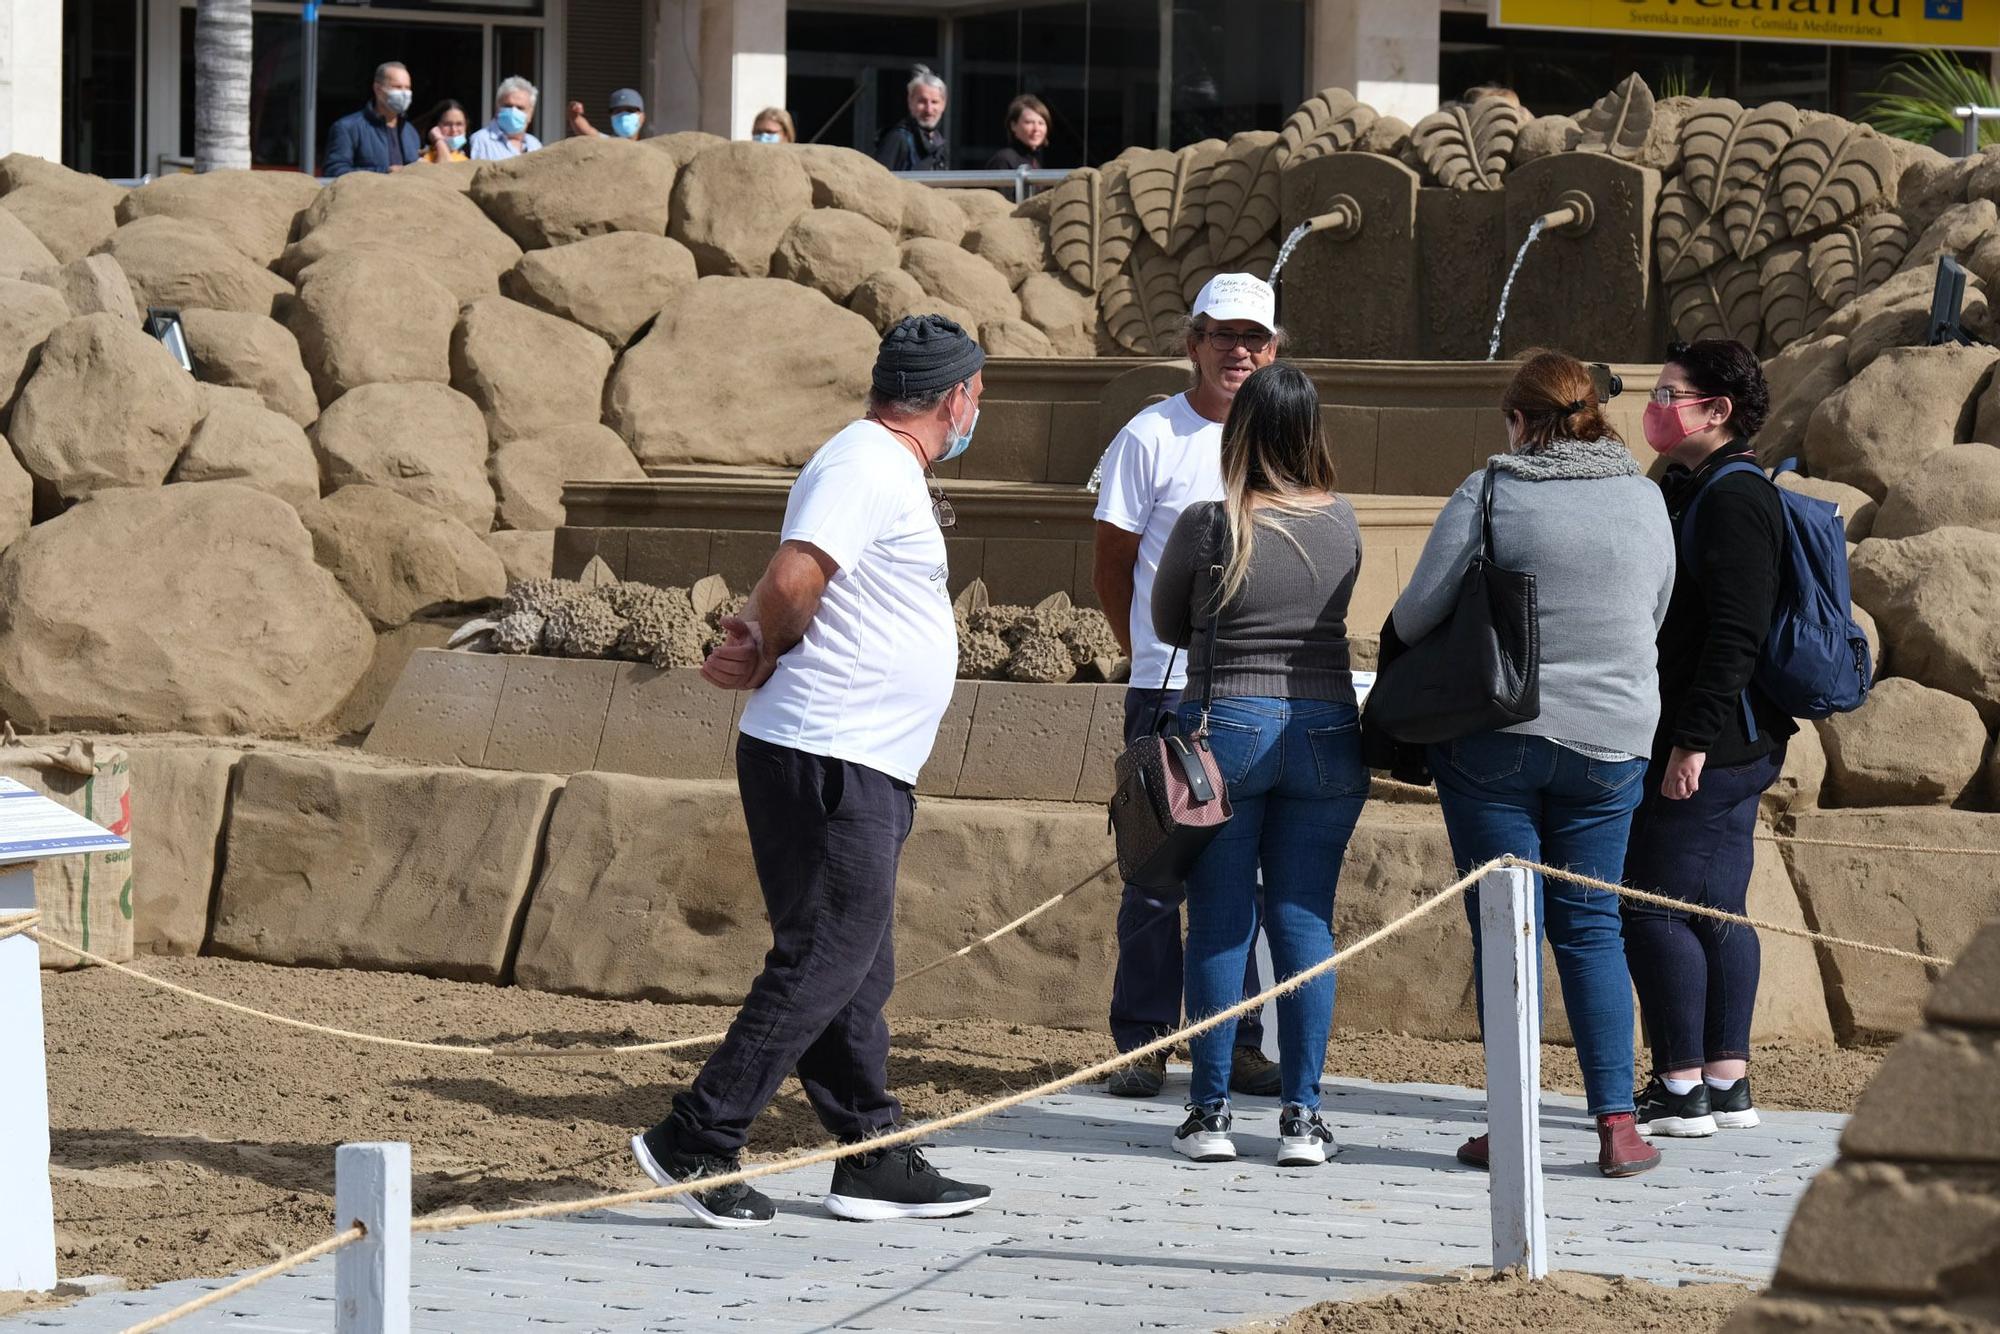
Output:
x=1341 y=221
x=1573 y=215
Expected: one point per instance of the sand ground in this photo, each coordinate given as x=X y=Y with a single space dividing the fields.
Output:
x=189 y=1141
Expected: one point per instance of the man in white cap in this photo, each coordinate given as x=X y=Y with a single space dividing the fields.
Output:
x=1168 y=458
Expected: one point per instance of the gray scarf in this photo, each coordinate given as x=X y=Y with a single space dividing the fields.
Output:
x=1570 y=461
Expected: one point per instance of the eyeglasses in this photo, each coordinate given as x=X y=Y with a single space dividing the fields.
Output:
x=1665 y=397
x=1222 y=340
x=941 y=509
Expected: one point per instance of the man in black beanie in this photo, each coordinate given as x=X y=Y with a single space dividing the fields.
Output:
x=849 y=646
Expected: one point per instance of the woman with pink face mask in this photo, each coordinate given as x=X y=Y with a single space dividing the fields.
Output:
x=1720 y=743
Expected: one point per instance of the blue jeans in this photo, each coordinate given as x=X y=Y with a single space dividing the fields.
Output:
x=1296 y=783
x=1146 y=982
x=1503 y=792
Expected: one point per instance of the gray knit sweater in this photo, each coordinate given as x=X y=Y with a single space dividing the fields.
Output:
x=1594 y=533
x=1284 y=634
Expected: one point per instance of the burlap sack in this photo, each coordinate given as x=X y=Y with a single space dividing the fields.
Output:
x=86 y=900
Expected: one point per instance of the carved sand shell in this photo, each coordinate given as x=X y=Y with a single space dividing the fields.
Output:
x=1832 y=170
x=1330 y=121
x=1685 y=239
x=1157 y=182
x=1723 y=302
x=1242 y=202
x=1852 y=261
x=1621 y=123
x=1198 y=162
x=1118 y=225
x=1787 y=304
x=1073 y=214
x=1468 y=147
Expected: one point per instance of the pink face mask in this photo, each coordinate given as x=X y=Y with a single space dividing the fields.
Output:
x=1663 y=425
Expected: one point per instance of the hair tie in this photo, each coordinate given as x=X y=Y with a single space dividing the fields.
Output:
x=1576 y=405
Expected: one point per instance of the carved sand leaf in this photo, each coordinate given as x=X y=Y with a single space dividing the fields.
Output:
x=1124 y=315
x=708 y=593
x=1724 y=302
x=1621 y=123
x=1832 y=170
x=1197 y=167
x=1745 y=198
x=1159 y=286
x=1155 y=182
x=1118 y=224
x=1704 y=146
x=1197 y=267
x=1242 y=202
x=1330 y=121
x=1257 y=260
x=1786 y=299
x=1852 y=261
x=1885 y=240
x=1468 y=147
x=974 y=598
x=1073 y=212
x=1685 y=239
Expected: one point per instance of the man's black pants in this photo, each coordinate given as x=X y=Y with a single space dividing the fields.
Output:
x=826 y=835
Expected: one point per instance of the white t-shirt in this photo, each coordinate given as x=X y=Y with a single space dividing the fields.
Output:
x=872 y=678
x=1167 y=458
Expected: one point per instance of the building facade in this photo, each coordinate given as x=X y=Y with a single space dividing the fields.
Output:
x=108 y=85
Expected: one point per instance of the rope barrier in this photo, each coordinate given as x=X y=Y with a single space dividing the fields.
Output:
x=913 y=1134
x=14 y=924
x=27 y=926
x=333 y=1243
x=1703 y=910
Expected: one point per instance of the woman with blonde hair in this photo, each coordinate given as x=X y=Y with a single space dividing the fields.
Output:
x=1569 y=506
x=773 y=126
x=1255 y=588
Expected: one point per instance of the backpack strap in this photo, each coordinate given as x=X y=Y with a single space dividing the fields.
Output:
x=1686 y=547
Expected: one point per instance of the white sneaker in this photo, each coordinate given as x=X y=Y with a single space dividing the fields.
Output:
x=1204 y=1136
x=1303 y=1139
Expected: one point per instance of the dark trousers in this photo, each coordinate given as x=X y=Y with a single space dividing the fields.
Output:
x=1146 y=985
x=825 y=835
x=1696 y=977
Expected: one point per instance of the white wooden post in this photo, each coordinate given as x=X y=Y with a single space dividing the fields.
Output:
x=371 y=1278
x=1508 y=956
x=27 y=1211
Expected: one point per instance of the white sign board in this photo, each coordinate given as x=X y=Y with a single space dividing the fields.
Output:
x=33 y=828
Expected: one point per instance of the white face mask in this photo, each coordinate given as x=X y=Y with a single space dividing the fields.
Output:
x=768 y=137
x=397 y=100
x=957 y=442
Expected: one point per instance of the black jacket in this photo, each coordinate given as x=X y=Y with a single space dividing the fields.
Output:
x=1015 y=156
x=1726 y=593
x=908 y=146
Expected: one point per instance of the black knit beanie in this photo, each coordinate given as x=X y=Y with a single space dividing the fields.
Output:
x=924 y=354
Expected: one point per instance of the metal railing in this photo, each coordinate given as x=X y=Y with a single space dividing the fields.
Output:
x=1972 y=116
x=1024 y=180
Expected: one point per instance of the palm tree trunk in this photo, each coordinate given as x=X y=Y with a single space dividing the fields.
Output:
x=221 y=84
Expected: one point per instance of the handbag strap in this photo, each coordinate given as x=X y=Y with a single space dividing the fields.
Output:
x=1218 y=532
x=1486 y=514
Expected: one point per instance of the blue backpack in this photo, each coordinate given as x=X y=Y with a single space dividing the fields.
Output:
x=1816 y=661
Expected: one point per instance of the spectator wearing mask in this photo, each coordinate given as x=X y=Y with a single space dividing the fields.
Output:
x=1570 y=507
x=379 y=137
x=1027 y=135
x=626 y=115
x=449 y=126
x=774 y=126
x=1266 y=632
x=848 y=649
x=506 y=135
x=1721 y=742
x=915 y=143
x=1166 y=459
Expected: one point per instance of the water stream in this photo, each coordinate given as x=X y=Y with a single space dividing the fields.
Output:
x=1499 y=320
x=1298 y=234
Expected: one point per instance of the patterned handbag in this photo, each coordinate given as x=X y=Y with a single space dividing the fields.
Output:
x=1171 y=801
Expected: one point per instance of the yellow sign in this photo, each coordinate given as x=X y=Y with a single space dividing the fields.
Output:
x=1959 y=23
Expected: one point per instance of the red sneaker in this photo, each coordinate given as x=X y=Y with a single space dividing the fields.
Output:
x=1620 y=1150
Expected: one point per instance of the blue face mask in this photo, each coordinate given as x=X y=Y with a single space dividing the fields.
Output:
x=957 y=442
x=512 y=120
x=768 y=137
x=625 y=124
x=454 y=142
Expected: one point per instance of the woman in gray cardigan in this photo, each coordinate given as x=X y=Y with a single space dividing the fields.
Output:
x=1569 y=506
x=1278 y=556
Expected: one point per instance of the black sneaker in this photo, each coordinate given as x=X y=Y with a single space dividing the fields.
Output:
x=898 y=1183
x=726 y=1206
x=1303 y=1139
x=1661 y=1111
x=1141 y=1079
x=1732 y=1106
x=1252 y=1072
x=1204 y=1136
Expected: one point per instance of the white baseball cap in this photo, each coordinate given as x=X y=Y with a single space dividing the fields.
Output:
x=1238 y=296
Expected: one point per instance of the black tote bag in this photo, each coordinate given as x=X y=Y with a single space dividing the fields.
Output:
x=1478 y=672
